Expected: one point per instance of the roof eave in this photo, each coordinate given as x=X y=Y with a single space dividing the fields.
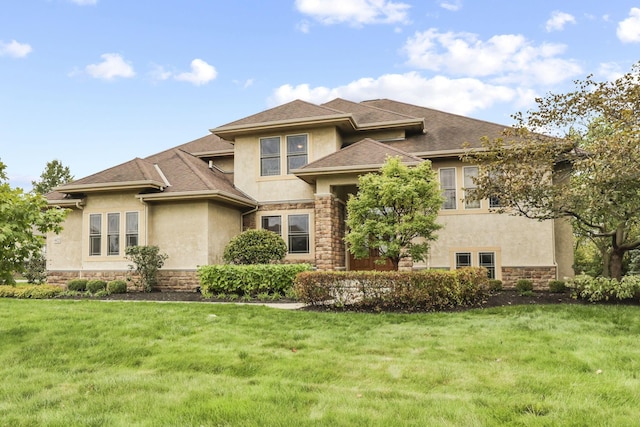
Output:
x=230 y=132
x=110 y=186
x=193 y=195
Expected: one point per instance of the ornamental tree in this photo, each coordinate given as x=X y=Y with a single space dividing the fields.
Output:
x=394 y=212
x=24 y=219
x=586 y=169
x=54 y=174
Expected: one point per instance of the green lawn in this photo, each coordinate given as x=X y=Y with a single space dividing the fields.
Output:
x=94 y=363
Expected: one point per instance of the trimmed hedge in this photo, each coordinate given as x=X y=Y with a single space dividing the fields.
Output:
x=96 y=285
x=34 y=292
x=411 y=291
x=77 y=285
x=117 y=287
x=248 y=280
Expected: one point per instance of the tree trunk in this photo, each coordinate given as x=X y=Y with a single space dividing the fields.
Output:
x=615 y=264
x=606 y=261
x=395 y=262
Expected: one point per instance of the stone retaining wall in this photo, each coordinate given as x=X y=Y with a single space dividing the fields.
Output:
x=168 y=280
x=540 y=276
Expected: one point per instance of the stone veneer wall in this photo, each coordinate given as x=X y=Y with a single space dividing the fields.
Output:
x=329 y=233
x=539 y=275
x=168 y=280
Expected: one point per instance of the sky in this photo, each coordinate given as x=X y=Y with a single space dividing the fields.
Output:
x=95 y=83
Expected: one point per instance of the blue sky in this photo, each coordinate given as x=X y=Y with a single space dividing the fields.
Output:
x=94 y=83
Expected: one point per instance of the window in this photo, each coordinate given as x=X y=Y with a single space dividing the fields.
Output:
x=131 y=229
x=448 y=186
x=296 y=227
x=296 y=152
x=113 y=234
x=463 y=259
x=270 y=156
x=494 y=202
x=470 y=173
x=95 y=234
x=272 y=223
x=298 y=234
x=488 y=261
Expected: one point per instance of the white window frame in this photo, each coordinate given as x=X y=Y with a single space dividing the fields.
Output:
x=95 y=236
x=287 y=234
x=271 y=156
x=113 y=234
x=453 y=188
x=128 y=232
x=469 y=185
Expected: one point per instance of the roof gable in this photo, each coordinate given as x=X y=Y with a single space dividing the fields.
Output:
x=366 y=115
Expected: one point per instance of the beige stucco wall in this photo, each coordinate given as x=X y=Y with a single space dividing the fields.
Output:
x=224 y=223
x=180 y=229
x=64 y=250
x=321 y=142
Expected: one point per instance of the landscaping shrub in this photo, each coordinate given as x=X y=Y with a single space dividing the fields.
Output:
x=35 y=269
x=495 y=285
x=411 y=291
x=35 y=291
x=77 y=285
x=96 y=285
x=117 y=287
x=524 y=287
x=248 y=280
x=557 y=286
x=255 y=247
x=147 y=261
x=603 y=288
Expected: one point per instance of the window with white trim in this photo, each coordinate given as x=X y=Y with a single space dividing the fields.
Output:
x=448 y=187
x=296 y=227
x=95 y=234
x=470 y=172
x=463 y=259
x=488 y=261
x=113 y=234
x=131 y=238
x=270 y=156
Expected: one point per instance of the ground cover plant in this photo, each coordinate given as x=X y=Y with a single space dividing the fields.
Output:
x=65 y=362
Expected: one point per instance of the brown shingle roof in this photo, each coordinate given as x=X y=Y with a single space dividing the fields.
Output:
x=366 y=115
x=364 y=154
x=442 y=131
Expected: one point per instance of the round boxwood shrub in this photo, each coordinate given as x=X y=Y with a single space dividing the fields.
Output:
x=557 y=286
x=117 y=287
x=77 y=285
x=96 y=285
x=255 y=247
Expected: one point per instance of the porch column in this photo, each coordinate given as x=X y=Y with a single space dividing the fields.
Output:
x=329 y=232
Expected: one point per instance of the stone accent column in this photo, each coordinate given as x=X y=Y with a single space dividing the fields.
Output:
x=329 y=232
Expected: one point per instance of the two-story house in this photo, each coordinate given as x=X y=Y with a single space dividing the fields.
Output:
x=291 y=169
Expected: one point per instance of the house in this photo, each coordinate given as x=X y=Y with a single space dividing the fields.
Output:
x=291 y=169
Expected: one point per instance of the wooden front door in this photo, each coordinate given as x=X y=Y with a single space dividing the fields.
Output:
x=369 y=263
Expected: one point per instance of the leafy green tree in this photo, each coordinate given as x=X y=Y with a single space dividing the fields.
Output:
x=255 y=247
x=147 y=260
x=394 y=212
x=24 y=218
x=587 y=170
x=54 y=174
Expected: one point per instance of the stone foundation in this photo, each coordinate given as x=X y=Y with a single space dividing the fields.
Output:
x=540 y=276
x=168 y=280
x=329 y=228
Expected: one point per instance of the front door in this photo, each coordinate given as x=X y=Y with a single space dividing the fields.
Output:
x=369 y=263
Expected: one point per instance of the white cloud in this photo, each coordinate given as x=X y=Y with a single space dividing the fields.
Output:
x=453 y=6
x=113 y=66
x=159 y=73
x=201 y=73
x=611 y=71
x=84 y=2
x=460 y=96
x=14 y=49
x=629 y=29
x=507 y=58
x=303 y=26
x=354 y=12
x=558 y=20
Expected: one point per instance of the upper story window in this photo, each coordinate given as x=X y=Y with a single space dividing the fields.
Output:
x=272 y=162
x=470 y=172
x=296 y=151
x=95 y=234
x=448 y=187
x=270 y=156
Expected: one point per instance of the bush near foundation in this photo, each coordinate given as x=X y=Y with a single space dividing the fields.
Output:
x=248 y=280
x=605 y=289
x=255 y=247
x=34 y=291
x=428 y=290
x=117 y=287
x=77 y=285
x=96 y=285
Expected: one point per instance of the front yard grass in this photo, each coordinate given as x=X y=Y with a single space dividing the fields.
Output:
x=94 y=363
